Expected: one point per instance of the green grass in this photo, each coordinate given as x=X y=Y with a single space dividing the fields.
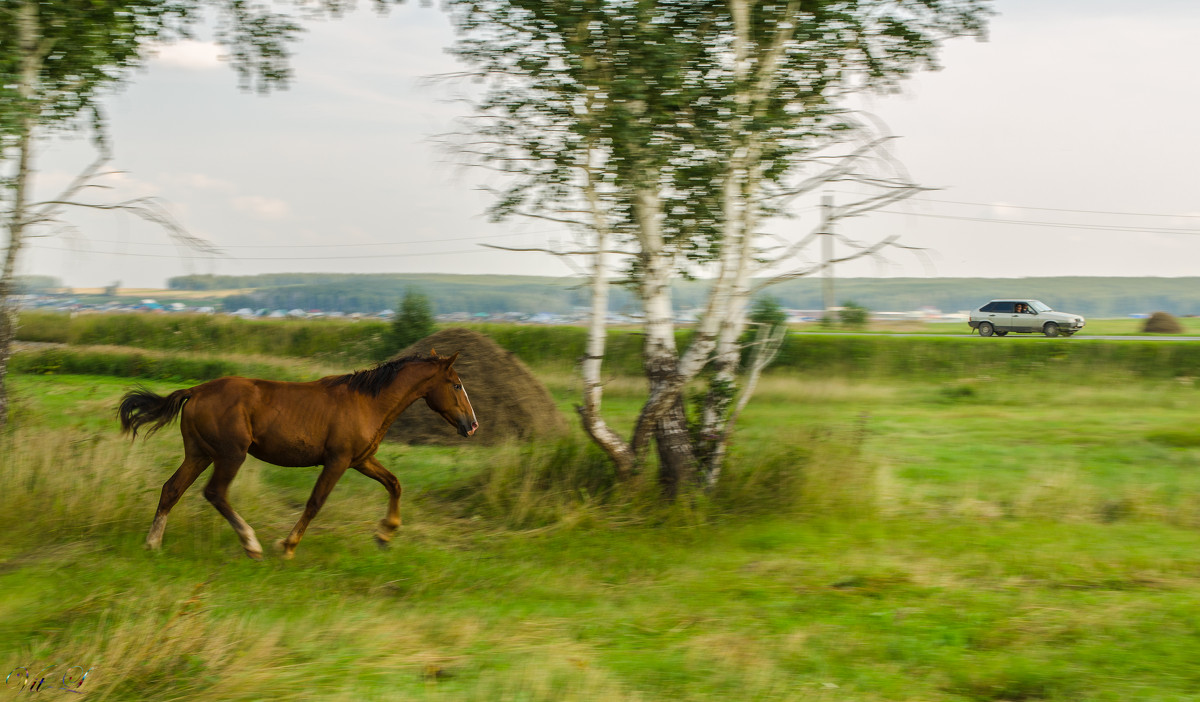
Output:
x=968 y=539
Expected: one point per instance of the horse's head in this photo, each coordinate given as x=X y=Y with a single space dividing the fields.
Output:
x=447 y=397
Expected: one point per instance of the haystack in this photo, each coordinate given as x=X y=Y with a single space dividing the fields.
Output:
x=509 y=402
x=1162 y=323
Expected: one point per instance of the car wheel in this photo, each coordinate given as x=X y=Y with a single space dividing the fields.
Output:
x=1051 y=329
x=985 y=328
x=1000 y=333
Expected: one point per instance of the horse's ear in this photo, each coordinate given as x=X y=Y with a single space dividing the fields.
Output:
x=433 y=353
x=450 y=361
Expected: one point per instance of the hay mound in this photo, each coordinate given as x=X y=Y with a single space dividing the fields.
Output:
x=509 y=402
x=1162 y=323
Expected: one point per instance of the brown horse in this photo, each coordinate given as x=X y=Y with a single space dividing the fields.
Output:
x=336 y=422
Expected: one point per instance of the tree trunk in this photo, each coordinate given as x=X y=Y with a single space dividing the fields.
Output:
x=8 y=304
x=608 y=440
x=677 y=463
x=27 y=37
x=663 y=416
x=739 y=195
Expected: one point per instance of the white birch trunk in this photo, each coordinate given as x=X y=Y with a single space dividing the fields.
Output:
x=668 y=390
x=659 y=353
x=593 y=388
x=27 y=37
x=663 y=417
x=740 y=192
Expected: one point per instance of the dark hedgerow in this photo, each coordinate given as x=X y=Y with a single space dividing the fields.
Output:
x=354 y=344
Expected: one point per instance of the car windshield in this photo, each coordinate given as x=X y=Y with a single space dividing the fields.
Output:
x=1039 y=306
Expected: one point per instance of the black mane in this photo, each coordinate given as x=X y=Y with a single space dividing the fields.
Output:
x=372 y=381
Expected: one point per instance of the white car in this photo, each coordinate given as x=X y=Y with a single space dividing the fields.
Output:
x=1025 y=316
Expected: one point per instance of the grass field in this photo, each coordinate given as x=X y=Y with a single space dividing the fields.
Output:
x=882 y=539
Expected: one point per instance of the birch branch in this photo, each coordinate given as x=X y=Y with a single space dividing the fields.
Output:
x=873 y=203
x=870 y=251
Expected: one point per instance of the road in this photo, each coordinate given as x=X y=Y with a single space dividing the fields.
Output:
x=1077 y=337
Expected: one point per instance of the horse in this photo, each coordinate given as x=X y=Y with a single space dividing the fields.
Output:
x=336 y=422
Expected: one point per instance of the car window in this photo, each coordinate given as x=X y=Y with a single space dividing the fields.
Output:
x=1039 y=305
x=997 y=307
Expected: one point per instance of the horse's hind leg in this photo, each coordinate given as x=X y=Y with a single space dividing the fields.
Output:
x=224 y=470
x=191 y=468
x=374 y=470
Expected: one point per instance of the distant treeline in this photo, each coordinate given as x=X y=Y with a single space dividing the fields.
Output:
x=1096 y=297
x=30 y=284
x=371 y=293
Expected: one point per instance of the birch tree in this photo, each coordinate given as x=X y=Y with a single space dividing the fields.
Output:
x=57 y=60
x=668 y=133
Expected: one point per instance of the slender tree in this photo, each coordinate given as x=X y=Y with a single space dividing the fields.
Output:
x=669 y=131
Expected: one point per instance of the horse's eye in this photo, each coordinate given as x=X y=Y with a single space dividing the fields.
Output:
x=457 y=386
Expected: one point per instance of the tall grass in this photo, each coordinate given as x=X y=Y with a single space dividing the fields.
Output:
x=121 y=362
x=347 y=342
x=538 y=484
x=66 y=486
x=569 y=482
x=820 y=473
x=63 y=487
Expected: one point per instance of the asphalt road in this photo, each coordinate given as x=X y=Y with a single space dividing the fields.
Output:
x=1083 y=336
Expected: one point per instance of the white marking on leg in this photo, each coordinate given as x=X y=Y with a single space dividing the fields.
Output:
x=154 y=538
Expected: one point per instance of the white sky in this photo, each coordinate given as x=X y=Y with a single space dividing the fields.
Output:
x=1087 y=105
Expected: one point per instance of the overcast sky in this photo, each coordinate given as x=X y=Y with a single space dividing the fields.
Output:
x=1080 y=113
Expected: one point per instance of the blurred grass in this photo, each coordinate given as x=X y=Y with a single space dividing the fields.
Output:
x=872 y=539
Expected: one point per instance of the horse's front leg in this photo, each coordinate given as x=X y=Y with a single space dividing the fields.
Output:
x=330 y=474
x=374 y=470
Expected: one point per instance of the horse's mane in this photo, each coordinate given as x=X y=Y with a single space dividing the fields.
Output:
x=372 y=381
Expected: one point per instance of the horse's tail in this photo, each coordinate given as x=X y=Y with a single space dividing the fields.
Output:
x=140 y=406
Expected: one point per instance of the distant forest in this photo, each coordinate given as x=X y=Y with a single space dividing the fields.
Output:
x=1097 y=297
x=32 y=284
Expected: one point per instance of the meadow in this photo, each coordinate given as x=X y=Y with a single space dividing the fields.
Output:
x=922 y=531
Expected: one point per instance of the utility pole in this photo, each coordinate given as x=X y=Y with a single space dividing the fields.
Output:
x=827 y=254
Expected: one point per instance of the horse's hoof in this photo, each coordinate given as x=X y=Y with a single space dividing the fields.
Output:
x=382 y=543
x=286 y=553
x=254 y=555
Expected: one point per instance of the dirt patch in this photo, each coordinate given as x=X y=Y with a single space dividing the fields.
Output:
x=509 y=402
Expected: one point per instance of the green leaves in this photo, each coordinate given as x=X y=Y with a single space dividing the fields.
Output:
x=83 y=48
x=621 y=96
x=413 y=322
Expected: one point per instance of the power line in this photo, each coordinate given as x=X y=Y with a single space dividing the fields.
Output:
x=1063 y=225
x=1041 y=209
x=1055 y=209
x=321 y=246
x=260 y=258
